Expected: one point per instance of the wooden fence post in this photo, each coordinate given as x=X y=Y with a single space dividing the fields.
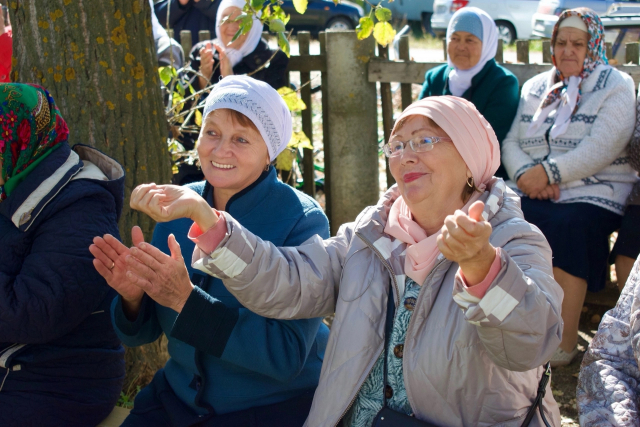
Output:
x=326 y=137
x=308 y=173
x=352 y=127
x=632 y=53
x=387 y=112
x=444 y=48
x=609 y=49
x=186 y=42
x=522 y=51
x=203 y=35
x=500 y=52
x=546 y=52
x=405 y=88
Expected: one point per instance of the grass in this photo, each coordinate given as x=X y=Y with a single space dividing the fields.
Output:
x=420 y=41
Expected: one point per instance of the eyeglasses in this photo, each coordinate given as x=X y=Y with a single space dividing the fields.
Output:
x=420 y=144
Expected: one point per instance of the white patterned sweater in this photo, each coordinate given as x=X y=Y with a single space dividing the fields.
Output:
x=589 y=161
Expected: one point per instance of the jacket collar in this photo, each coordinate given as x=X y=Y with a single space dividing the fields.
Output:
x=42 y=185
x=370 y=226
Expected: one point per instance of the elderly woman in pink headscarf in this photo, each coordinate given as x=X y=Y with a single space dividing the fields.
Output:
x=445 y=305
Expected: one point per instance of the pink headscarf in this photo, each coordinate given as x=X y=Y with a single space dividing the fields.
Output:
x=476 y=142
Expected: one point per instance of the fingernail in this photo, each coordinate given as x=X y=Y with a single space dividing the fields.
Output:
x=143 y=246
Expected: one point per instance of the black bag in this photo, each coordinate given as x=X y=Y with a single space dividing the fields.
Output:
x=389 y=417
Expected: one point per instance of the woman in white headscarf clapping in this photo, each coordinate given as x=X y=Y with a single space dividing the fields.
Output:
x=247 y=54
x=472 y=73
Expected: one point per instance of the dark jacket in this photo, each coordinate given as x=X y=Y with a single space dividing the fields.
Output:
x=194 y=16
x=62 y=363
x=225 y=358
x=494 y=92
x=274 y=74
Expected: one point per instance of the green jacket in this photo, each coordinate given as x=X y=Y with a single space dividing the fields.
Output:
x=494 y=92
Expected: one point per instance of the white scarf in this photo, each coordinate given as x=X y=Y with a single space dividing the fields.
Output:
x=460 y=80
x=253 y=38
x=564 y=106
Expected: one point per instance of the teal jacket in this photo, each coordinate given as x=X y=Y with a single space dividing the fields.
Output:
x=224 y=358
x=494 y=92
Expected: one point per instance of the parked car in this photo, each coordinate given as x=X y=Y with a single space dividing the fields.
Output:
x=621 y=26
x=548 y=12
x=513 y=17
x=411 y=10
x=324 y=15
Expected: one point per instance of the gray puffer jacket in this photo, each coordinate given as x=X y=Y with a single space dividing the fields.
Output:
x=467 y=361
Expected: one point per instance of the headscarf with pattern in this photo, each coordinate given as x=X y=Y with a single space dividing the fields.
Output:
x=565 y=93
x=30 y=128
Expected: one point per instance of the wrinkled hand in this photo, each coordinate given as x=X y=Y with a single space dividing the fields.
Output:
x=226 y=69
x=110 y=261
x=168 y=202
x=550 y=192
x=164 y=278
x=533 y=181
x=464 y=239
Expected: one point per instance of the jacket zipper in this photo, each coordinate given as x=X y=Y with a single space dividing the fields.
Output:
x=395 y=287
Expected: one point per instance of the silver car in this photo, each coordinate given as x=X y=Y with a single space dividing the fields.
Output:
x=548 y=12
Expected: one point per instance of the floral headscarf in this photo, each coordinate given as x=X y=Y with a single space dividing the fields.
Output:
x=30 y=127
x=566 y=92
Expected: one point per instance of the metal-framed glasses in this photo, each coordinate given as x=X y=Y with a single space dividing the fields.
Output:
x=419 y=144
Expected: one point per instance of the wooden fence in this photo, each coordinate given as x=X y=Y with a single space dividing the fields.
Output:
x=353 y=76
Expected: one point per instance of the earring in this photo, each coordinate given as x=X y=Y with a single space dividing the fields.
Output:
x=266 y=168
x=470 y=182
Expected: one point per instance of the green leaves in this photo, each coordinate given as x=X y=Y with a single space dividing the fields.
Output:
x=384 y=33
x=257 y=4
x=292 y=99
x=283 y=44
x=365 y=28
x=276 y=26
x=383 y=14
x=300 y=5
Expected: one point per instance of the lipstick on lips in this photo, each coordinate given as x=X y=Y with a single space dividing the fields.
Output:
x=412 y=176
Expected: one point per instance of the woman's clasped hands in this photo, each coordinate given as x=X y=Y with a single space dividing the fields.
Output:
x=144 y=269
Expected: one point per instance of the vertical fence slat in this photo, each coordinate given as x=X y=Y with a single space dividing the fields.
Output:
x=204 y=35
x=546 y=52
x=609 y=49
x=170 y=32
x=186 y=42
x=444 y=48
x=326 y=139
x=405 y=88
x=632 y=52
x=500 y=52
x=522 y=50
x=308 y=174
x=387 y=111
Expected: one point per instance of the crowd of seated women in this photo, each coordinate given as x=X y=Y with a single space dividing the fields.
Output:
x=449 y=296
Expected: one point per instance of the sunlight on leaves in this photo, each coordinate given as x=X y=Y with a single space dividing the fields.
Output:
x=300 y=5
x=384 y=33
x=292 y=99
x=365 y=28
x=284 y=161
x=300 y=140
x=383 y=14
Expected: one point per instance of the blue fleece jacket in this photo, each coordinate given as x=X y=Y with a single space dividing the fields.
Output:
x=61 y=361
x=224 y=358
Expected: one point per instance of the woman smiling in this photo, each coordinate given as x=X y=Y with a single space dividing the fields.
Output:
x=445 y=307
x=229 y=367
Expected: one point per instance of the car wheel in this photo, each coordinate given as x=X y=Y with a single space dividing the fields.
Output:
x=506 y=32
x=339 y=24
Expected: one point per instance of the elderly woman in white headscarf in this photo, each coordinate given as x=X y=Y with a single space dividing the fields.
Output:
x=228 y=366
x=472 y=73
x=221 y=57
x=445 y=306
x=566 y=154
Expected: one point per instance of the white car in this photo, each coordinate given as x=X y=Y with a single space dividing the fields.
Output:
x=513 y=17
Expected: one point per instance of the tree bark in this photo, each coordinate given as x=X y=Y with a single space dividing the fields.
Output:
x=98 y=60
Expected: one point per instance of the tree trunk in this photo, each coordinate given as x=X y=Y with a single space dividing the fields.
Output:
x=97 y=58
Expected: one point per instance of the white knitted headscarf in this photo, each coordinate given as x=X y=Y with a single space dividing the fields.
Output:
x=260 y=103
x=253 y=38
